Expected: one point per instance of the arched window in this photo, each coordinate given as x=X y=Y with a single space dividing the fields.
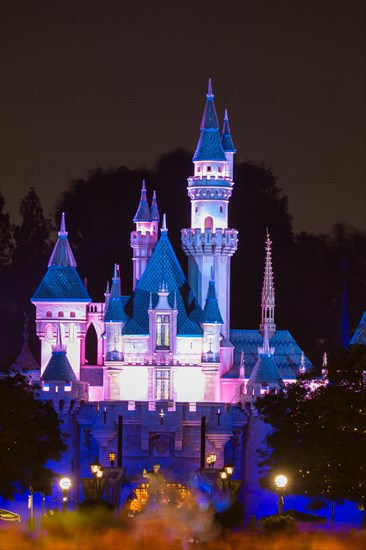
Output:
x=199 y=169
x=60 y=313
x=163 y=332
x=196 y=209
x=166 y=331
x=72 y=313
x=219 y=168
x=49 y=314
x=208 y=168
x=158 y=331
x=220 y=208
x=209 y=222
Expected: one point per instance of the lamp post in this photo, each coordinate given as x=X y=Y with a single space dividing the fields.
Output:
x=97 y=471
x=31 y=511
x=225 y=476
x=211 y=459
x=65 y=484
x=281 y=484
x=161 y=414
x=112 y=458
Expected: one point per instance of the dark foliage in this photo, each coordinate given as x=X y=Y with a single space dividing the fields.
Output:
x=30 y=435
x=318 y=436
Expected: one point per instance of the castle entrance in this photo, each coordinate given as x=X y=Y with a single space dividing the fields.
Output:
x=172 y=495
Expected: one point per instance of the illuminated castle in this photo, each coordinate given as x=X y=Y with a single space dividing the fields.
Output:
x=168 y=349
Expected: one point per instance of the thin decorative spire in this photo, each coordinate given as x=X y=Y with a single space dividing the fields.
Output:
x=62 y=255
x=209 y=89
x=150 y=301
x=59 y=347
x=175 y=300
x=143 y=210
x=268 y=292
x=302 y=368
x=62 y=232
x=164 y=227
x=154 y=211
x=226 y=139
x=107 y=290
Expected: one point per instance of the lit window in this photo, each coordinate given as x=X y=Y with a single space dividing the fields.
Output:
x=163 y=332
x=199 y=169
x=162 y=384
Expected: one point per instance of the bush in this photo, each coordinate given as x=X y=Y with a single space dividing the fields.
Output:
x=279 y=523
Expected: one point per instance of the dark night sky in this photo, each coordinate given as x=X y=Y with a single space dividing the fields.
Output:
x=122 y=82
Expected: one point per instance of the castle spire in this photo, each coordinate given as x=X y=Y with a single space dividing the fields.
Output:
x=164 y=227
x=62 y=254
x=302 y=368
x=268 y=292
x=209 y=145
x=154 y=211
x=143 y=210
x=114 y=311
x=226 y=139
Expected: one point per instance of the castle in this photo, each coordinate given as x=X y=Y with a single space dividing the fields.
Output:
x=166 y=356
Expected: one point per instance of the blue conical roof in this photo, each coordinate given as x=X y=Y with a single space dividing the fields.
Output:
x=154 y=211
x=62 y=254
x=143 y=211
x=226 y=139
x=59 y=368
x=265 y=371
x=209 y=145
x=211 y=312
x=115 y=312
x=163 y=266
x=61 y=281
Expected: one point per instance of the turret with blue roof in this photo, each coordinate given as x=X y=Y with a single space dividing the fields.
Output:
x=143 y=210
x=59 y=368
x=61 y=281
x=209 y=145
x=226 y=139
x=114 y=310
x=211 y=312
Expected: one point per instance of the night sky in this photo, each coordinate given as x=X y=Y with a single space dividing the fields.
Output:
x=107 y=83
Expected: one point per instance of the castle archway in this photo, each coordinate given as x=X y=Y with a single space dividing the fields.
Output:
x=91 y=345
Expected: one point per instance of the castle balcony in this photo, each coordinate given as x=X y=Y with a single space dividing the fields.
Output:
x=220 y=242
x=210 y=181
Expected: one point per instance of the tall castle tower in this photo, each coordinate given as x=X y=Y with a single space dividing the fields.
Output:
x=143 y=240
x=209 y=244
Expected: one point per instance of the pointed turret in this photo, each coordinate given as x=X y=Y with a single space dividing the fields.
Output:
x=211 y=311
x=209 y=144
x=114 y=312
x=25 y=361
x=265 y=374
x=62 y=254
x=268 y=293
x=154 y=211
x=143 y=240
x=226 y=139
x=59 y=368
x=143 y=210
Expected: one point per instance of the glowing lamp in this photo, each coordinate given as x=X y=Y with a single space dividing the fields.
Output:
x=281 y=481
x=95 y=466
x=223 y=475
x=211 y=459
x=112 y=458
x=65 y=483
x=229 y=470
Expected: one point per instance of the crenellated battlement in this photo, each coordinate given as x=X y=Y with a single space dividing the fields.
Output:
x=139 y=238
x=220 y=242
